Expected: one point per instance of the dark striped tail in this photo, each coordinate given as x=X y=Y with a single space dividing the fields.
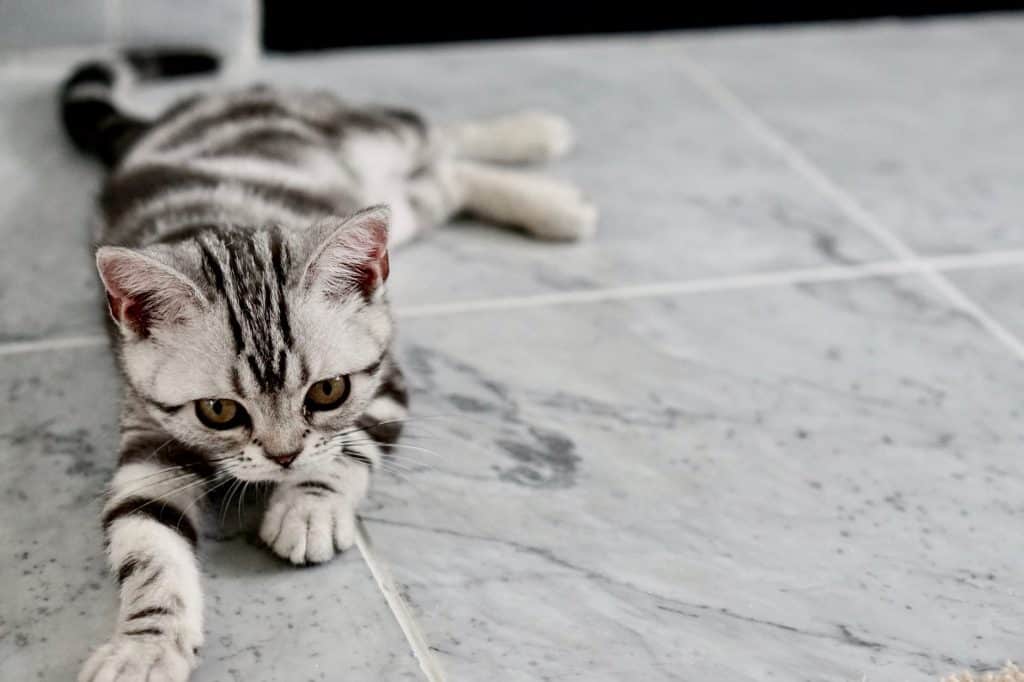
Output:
x=91 y=118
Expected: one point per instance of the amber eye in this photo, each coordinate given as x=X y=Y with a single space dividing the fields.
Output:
x=220 y=413
x=327 y=394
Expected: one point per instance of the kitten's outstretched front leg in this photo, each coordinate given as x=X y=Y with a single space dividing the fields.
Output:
x=150 y=521
x=310 y=519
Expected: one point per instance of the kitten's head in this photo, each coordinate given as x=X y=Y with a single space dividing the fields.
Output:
x=258 y=349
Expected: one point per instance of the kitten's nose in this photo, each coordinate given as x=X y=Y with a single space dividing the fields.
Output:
x=285 y=459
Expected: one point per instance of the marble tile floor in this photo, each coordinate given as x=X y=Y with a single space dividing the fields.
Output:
x=765 y=426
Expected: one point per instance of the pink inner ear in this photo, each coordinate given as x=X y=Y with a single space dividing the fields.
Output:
x=375 y=271
x=354 y=256
x=126 y=310
x=142 y=292
x=129 y=312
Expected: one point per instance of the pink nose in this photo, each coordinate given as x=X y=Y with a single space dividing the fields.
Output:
x=286 y=459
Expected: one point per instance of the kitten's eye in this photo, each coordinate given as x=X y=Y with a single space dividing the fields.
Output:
x=220 y=413
x=327 y=394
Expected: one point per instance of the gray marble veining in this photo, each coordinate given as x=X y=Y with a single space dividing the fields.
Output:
x=810 y=483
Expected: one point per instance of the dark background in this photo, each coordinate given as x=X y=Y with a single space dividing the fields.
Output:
x=292 y=26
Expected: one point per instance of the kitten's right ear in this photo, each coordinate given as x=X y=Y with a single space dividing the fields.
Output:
x=143 y=292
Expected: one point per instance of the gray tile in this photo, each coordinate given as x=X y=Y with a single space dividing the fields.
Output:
x=998 y=291
x=33 y=24
x=683 y=194
x=775 y=484
x=918 y=119
x=48 y=285
x=265 y=620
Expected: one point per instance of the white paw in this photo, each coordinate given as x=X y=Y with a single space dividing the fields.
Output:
x=543 y=136
x=306 y=526
x=572 y=220
x=568 y=222
x=137 y=658
x=561 y=211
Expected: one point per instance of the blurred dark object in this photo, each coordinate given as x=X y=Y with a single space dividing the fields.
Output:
x=292 y=26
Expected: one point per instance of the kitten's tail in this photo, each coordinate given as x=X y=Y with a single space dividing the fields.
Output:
x=93 y=121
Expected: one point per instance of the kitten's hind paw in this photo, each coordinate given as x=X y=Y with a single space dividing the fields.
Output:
x=524 y=137
x=308 y=525
x=137 y=658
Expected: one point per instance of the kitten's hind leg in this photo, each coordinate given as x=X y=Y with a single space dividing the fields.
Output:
x=543 y=206
x=525 y=137
x=150 y=523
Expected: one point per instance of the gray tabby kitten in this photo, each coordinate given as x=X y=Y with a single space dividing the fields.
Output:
x=244 y=249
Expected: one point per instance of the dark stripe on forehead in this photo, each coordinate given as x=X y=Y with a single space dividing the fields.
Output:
x=250 y=290
x=215 y=275
x=281 y=259
x=282 y=365
x=257 y=267
x=236 y=382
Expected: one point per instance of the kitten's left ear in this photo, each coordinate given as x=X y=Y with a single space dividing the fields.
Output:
x=350 y=256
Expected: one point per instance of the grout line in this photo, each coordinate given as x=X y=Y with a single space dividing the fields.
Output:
x=399 y=608
x=829 y=273
x=672 y=288
x=926 y=267
x=53 y=343
x=849 y=205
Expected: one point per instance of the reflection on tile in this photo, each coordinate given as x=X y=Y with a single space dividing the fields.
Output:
x=781 y=484
x=919 y=119
x=266 y=620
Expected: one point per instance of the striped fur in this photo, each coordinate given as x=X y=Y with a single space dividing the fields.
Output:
x=233 y=274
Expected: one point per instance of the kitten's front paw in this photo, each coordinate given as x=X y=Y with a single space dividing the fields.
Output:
x=308 y=525
x=137 y=658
